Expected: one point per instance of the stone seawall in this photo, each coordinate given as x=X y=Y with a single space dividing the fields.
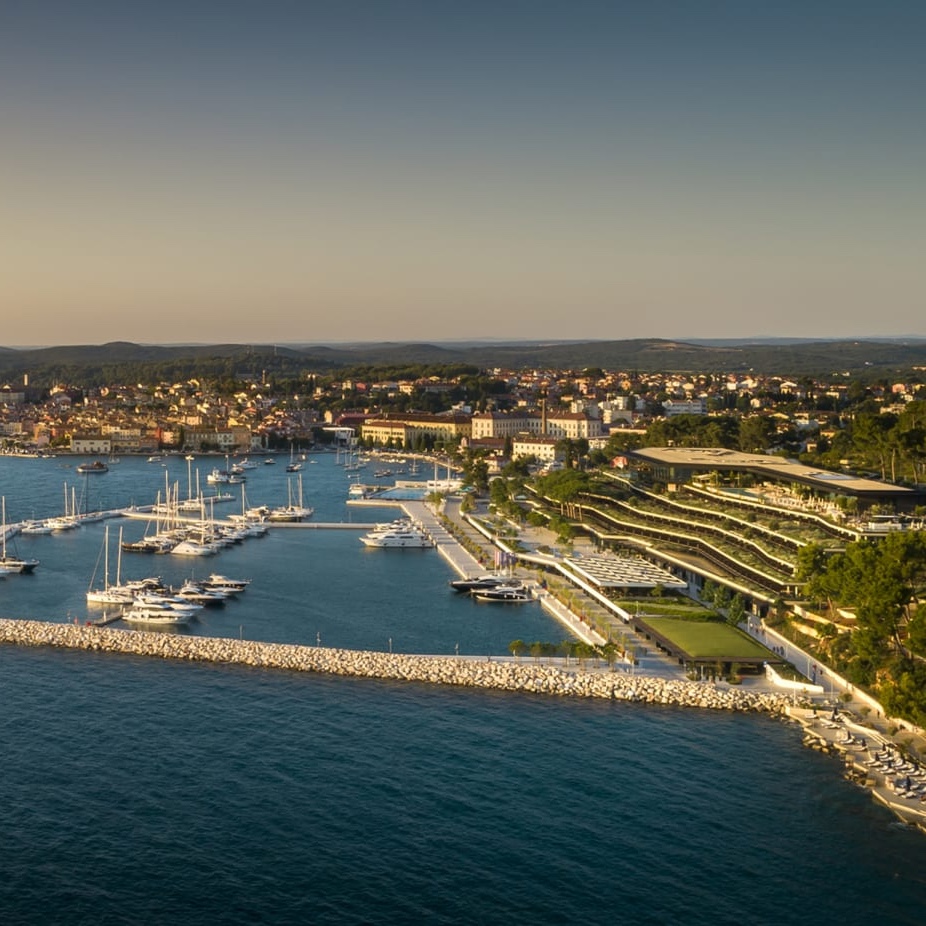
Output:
x=494 y=674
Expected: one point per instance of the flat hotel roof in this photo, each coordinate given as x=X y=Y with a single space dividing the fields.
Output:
x=776 y=467
x=608 y=571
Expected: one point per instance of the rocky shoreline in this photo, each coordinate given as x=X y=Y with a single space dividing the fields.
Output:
x=461 y=672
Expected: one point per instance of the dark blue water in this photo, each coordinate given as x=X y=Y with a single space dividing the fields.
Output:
x=307 y=585
x=139 y=791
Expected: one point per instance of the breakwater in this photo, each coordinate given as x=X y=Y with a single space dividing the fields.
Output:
x=496 y=674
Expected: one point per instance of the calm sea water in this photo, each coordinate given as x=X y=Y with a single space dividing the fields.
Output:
x=137 y=791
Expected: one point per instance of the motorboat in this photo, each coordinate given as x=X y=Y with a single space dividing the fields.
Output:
x=193 y=546
x=478 y=583
x=167 y=601
x=510 y=594
x=97 y=466
x=140 y=613
x=224 y=583
x=197 y=593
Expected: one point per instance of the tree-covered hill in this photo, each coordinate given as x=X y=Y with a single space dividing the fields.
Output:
x=124 y=360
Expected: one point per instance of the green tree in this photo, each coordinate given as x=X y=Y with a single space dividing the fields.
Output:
x=736 y=610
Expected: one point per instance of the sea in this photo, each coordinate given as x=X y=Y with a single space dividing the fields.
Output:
x=139 y=791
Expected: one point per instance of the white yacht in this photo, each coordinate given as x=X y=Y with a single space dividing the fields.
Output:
x=140 y=613
x=402 y=533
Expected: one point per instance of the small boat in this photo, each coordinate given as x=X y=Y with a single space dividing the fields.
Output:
x=97 y=466
x=294 y=465
x=155 y=458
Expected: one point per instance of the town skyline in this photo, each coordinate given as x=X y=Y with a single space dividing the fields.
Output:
x=314 y=174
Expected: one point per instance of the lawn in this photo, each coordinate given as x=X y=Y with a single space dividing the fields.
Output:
x=707 y=639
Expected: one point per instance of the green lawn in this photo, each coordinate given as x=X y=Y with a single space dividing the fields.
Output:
x=707 y=639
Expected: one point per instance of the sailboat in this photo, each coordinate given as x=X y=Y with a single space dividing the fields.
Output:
x=109 y=594
x=295 y=510
x=13 y=563
x=68 y=521
x=294 y=465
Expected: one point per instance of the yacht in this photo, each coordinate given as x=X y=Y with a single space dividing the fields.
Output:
x=402 y=533
x=197 y=593
x=478 y=583
x=195 y=546
x=510 y=594
x=224 y=583
x=141 y=613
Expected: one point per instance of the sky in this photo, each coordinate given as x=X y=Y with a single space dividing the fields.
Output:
x=369 y=170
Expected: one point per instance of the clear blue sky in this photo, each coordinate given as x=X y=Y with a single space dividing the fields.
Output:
x=346 y=170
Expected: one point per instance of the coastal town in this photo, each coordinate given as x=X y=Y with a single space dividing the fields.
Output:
x=503 y=413
x=725 y=486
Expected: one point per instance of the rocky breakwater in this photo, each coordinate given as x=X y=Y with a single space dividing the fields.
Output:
x=470 y=673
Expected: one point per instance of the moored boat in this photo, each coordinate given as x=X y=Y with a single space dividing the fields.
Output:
x=478 y=583
x=402 y=533
x=8 y=562
x=507 y=594
x=220 y=582
x=155 y=614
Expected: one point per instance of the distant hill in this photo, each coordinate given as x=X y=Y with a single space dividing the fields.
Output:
x=123 y=361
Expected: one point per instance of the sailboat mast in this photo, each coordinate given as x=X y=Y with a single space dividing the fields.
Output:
x=106 y=557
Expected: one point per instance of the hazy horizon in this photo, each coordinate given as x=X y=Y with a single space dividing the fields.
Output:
x=319 y=173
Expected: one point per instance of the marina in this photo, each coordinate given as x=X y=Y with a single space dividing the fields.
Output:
x=253 y=691
x=310 y=580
